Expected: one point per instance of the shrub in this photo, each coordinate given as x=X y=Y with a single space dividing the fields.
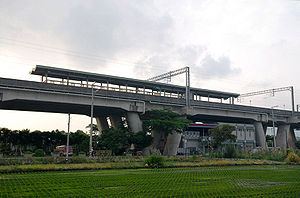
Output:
x=230 y=151
x=27 y=152
x=216 y=155
x=154 y=161
x=39 y=153
x=293 y=158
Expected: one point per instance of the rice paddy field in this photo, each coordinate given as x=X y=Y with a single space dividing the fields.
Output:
x=222 y=181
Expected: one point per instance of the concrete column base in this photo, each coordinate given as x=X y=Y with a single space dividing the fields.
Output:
x=156 y=139
x=115 y=121
x=172 y=144
x=291 y=141
x=282 y=136
x=260 y=135
x=102 y=123
x=134 y=122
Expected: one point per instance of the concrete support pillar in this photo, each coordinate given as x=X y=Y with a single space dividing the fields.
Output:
x=134 y=122
x=291 y=141
x=260 y=135
x=172 y=144
x=155 y=146
x=102 y=123
x=282 y=136
x=116 y=121
x=157 y=136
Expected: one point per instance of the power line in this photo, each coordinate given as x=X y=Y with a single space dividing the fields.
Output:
x=73 y=53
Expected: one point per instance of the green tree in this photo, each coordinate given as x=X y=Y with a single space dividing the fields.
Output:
x=141 y=140
x=269 y=140
x=115 y=140
x=4 y=139
x=24 y=139
x=163 y=122
x=79 y=141
x=221 y=134
x=95 y=127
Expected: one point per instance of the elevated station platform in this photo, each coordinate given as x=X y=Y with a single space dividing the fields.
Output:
x=79 y=78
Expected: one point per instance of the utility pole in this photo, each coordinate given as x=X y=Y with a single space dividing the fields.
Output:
x=188 y=88
x=91 y=126
x=245 y=136
x=293 y=100
x=273 y=123
x=68 y=135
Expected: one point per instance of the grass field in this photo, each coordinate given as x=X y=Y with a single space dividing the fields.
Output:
x=222 y=181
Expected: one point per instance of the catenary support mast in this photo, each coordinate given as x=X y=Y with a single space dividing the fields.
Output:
x=170 y=74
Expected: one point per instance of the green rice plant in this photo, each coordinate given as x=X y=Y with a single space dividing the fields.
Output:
x=172 y=182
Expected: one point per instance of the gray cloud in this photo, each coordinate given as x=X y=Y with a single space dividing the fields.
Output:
x=110 y=27
x=151 y=66
x=191 y=54
x=216 y=68
x=100 y=28
x=202 y=65
x=167 y=60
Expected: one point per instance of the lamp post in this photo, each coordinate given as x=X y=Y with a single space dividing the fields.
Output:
x=274 y=142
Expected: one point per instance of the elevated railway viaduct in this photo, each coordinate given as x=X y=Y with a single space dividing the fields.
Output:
x=70 y=91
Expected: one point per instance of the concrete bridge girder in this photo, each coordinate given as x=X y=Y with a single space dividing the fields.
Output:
x=227 y=113
x=72 y=99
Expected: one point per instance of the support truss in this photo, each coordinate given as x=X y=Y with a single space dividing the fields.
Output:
x=170 y=74
x=271 y=91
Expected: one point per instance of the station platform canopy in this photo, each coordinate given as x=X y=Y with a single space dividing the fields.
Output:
x=67 y=74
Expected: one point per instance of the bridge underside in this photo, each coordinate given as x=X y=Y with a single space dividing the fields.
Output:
x=213 y=119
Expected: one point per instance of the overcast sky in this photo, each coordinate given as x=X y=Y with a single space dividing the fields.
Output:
x=236 y=46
